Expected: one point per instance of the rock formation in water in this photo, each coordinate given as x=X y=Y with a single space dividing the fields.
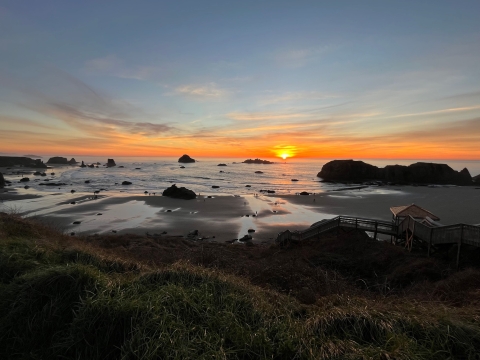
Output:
x=257 y=161
x=2 y=181
x=476 y=179
x=6 y=161
x=186 y=159
x=179 y=193
x=58 y=160
x=418 y=173
x=111 y=163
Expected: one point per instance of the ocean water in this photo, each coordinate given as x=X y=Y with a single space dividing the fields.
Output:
x=156 y=174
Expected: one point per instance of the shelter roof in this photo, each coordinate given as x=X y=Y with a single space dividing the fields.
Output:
x=414 y=211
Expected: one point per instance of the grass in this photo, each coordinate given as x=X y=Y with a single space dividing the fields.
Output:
x=63 y=298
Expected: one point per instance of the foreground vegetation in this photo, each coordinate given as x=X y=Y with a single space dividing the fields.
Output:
x=66 y=298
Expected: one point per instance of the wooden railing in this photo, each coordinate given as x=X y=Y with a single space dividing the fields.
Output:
x=450 y=234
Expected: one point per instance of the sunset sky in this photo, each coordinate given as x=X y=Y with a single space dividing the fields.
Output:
x=327 y=79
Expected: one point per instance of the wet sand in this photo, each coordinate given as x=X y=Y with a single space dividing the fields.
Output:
x=451 y=204
x=224 y=218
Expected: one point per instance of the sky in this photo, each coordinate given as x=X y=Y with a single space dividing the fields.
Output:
x=225 y=78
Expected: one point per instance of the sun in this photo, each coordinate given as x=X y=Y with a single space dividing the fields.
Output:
x=284 y=156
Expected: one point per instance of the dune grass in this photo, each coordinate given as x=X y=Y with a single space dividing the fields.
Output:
x=58 y=301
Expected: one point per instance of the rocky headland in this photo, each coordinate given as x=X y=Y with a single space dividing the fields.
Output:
x=6 y=161
x=186 y=159
x=417 y=173
x=257 y=161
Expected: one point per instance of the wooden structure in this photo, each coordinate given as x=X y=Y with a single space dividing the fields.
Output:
x=409 y=228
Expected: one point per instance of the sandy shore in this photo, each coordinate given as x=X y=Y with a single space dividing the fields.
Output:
x=451 y=204
x=224 y=218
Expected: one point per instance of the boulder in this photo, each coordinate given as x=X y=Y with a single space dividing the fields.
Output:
x=186 y=159
x=222 y=165
x=111 y=162
x=52 y=184
x=25 y=179
x=179 y=193
x=91 y=166
x=304 y=193
x=126 y=183
x=2 y=181
x=257 y=161
x=418 y=173
x=259 y=172
x=215 y=186
x=476 y=179
x=72 y=161
x=83 y=165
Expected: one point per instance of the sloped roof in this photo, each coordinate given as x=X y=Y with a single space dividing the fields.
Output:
x=414 y=211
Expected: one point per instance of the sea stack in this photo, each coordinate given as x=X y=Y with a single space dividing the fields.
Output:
x=111 y=163
x=58 y=160
x=418 y=173
x=186 y=159
x=83 y=165
x=257 y=161
x=2 y=181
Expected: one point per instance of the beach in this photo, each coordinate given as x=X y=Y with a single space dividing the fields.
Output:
x=223 y=218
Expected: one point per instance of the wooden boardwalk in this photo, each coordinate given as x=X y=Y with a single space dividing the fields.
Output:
x=408 y=231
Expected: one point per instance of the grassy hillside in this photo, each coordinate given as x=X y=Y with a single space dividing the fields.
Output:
x=135 y=298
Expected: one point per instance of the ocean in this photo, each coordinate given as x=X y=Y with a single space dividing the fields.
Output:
x=156 y=174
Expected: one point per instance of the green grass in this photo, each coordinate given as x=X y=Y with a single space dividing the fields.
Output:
x=59 y=302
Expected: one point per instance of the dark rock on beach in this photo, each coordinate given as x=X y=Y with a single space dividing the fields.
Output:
x=215 y=186
x=186 y=159
x=52 y=184
x=418 y=173
x=6 y=161
x=25 y=179
x=126 y=183
x=179 y=193
x=257 y=161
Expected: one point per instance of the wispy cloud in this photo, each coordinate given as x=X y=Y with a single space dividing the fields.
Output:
x=299 y=57
x=114 y=66
x=289 y=97
x=211 y=90
x=467 y=108
x=256 y=116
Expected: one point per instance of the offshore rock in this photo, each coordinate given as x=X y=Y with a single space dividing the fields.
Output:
x=186 y=159
x=58 y=160
x=2 y=181
x=111 y=163
x=257 y=161
x=179 y=193
x=418 y=173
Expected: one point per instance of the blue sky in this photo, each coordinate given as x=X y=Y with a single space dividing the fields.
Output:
x=311 y=78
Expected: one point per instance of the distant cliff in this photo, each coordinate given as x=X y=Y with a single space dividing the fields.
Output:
x=418 y=173
x=21 y=161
